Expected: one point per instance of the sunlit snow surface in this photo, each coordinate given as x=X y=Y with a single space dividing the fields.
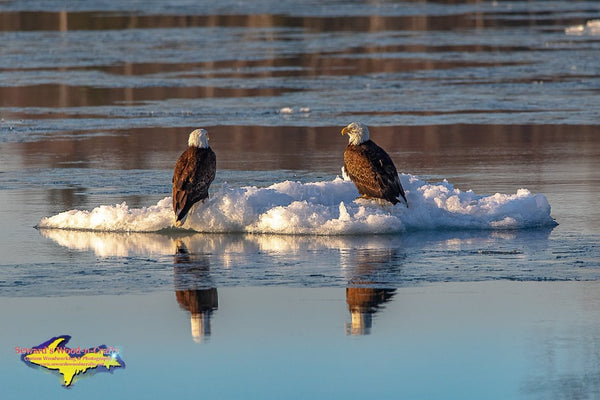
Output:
x=322 y=208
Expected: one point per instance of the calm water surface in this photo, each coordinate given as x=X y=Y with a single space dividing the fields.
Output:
x=97 y=99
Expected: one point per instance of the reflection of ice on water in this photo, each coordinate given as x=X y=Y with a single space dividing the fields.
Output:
x=229 y=247
x=320 y=260
x=111 y=244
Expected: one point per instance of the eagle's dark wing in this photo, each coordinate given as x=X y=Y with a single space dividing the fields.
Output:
x=194 y=172
x=373 y=172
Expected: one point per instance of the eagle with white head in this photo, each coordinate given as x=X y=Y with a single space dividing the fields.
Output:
x=194 y=172
x=370 y=167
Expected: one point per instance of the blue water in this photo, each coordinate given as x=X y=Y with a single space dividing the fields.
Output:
x=97 y=99
x=495 y=340
x=405 y=63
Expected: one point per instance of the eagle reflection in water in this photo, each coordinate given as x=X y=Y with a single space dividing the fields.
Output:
x=194 y=290
x=363 y=296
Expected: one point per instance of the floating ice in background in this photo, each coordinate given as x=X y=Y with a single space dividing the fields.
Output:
x=591 y=27
x=294 y=110
x=322 y=208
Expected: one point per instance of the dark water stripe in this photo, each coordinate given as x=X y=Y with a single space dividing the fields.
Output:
x=25 y=115
x=55 y=95
x=318 y=148
x=453 y=112
x=350 y=61
x=66 y=21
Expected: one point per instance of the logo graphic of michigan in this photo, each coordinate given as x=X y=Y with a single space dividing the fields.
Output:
x=70 y=362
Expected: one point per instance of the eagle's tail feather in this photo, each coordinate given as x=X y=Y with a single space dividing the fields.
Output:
x=404 y=199
x=181 y=216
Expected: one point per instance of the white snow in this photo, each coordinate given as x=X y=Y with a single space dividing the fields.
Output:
x=591 y=27
x=322 y=208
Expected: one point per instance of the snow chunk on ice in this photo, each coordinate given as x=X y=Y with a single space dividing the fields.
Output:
x=322 y=208
x=294 y=110
x=591 y=27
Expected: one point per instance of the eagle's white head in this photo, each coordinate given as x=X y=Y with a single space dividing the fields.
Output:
x=199 y=138
x=357 y=133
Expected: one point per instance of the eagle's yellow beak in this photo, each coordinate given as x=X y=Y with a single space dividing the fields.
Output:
x=344 y=131
x=207 y=136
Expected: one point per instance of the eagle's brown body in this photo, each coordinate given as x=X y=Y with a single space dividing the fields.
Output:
x=373 y=172
x=193 y=174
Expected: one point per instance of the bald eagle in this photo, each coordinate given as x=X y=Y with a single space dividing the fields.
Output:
x=194 y=172
x=370 y=167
